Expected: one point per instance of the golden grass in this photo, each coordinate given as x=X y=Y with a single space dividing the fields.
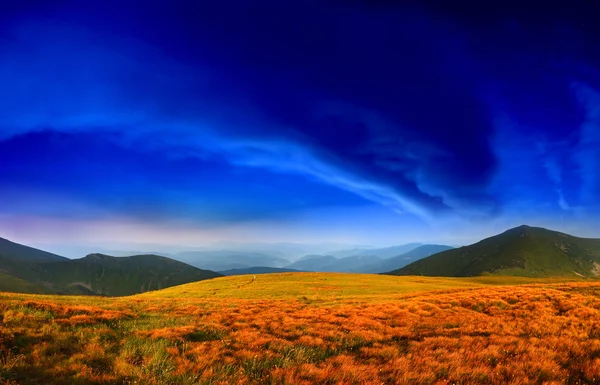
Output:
x=330 y=286
x=310 y=328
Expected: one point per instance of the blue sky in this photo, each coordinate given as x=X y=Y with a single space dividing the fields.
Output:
x=365 y=122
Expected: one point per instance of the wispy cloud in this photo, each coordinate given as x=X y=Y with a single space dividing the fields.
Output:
x=66 y=81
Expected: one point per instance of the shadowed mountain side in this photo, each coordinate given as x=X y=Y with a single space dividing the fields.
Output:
x=12 y=284
x=20 y=252
x=116 y=276
x=96 y=274
x=522 y=251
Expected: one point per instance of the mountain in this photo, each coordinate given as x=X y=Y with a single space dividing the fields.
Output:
x=354 y=264
x=313 y=262
x=28 y=270
x=258 y=270
x=219 y=260
x=287 y=250
x=25 y=253
x=384 y=253
x=404 y=259
x=366 y=263
x=522 y=251
x=117 y=276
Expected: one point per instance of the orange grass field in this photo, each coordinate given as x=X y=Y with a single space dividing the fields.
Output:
x=306 y=328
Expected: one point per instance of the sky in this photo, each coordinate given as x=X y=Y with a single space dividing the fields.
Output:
x=360 y=122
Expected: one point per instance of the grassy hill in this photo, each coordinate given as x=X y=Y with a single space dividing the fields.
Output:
x=522 y=251
x=329 y=287
x=9 y=283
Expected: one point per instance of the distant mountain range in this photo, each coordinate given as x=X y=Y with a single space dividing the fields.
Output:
x=522 y=251
x=258 y=270
x=361 y=260
x=375 y=261
x=406 y=258
x=220 y=260
x=383 y=253
x=25 y=269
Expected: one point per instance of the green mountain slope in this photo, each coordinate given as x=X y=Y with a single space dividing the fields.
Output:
x=522 y=251
x=25 y=253
x=13 y=284
x=27 y=270
x=116 y=276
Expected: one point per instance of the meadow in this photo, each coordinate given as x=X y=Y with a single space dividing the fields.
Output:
x=305 y=328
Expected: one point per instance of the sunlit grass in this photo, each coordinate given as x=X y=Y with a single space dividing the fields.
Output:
x=310 y=328
x=330 y=286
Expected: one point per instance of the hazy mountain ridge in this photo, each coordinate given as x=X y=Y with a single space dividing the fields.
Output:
x=402 y=260
x=382 y=252
x=367 y=262
x=522 y=251
x=258 y=270
x=313 y=262
x=219 y=260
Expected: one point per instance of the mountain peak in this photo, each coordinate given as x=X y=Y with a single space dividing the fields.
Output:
x=523 y=250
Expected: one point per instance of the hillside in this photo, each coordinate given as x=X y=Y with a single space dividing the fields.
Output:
x=330 y=287
x=12 y=284
x=523 y=251
x=20 y=252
